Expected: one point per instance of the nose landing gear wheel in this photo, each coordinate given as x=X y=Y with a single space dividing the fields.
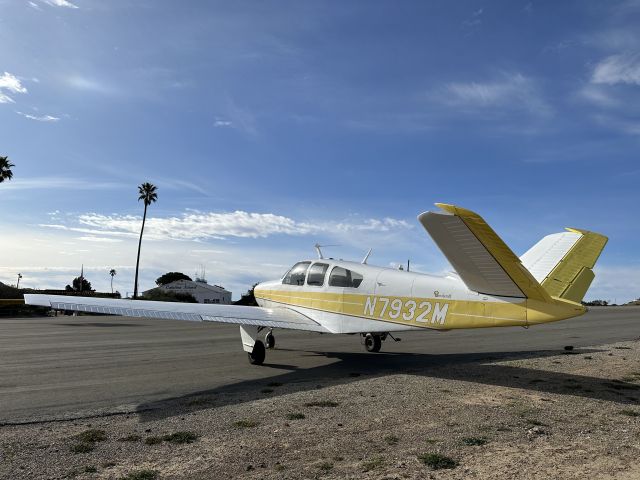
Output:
x=256 y=357
x=269 y=340
x=372 y=343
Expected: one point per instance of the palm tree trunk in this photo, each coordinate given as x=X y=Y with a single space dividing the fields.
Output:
x=111 y=284
x=135 y=286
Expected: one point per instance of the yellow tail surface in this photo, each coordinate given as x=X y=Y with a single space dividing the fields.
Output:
x=563 y=262
x=572 y=276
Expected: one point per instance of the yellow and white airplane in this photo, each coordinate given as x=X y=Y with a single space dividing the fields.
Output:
x=492 y=287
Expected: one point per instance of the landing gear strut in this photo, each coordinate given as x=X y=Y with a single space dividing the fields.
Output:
x=269 y=340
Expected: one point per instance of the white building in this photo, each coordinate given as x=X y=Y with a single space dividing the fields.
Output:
x=203 y=292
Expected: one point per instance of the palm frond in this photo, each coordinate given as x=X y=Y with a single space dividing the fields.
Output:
x=147 y=193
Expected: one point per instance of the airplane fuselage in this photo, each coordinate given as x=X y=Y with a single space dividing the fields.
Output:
x=390 y=300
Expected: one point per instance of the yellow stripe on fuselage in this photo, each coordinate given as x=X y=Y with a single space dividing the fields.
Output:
x=434 y=313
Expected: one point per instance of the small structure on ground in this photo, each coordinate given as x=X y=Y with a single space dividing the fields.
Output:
x=201 y=291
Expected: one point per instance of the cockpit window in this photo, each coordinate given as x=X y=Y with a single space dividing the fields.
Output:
x=316 y=274
x=341 y=277
x=296 y=275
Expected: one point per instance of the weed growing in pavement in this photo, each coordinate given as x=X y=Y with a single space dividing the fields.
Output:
x=153 y=440
x=629 y=413
x=325 y=466
x=435 y=461
x=142 y=475
x=180 y=437
x=535 y=422
x=82 y=447
x=245 y=424
x=372 y=464
x=322 y=403
x=474 y=441
x=295 y=416
x=391 y=440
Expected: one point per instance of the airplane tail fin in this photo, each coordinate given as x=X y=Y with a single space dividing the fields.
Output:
x=563 y=262
x=483 y=261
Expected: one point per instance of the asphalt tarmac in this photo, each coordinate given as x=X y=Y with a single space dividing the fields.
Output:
x=56 y=368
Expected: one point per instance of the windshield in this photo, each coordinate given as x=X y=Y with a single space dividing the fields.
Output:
x=296 y=275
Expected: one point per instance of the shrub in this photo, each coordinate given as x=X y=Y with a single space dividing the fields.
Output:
x=322 y=403
x=295 y=416
x=245 y=424
x=435 y=461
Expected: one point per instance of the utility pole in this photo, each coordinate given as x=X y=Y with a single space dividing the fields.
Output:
x=19 y=277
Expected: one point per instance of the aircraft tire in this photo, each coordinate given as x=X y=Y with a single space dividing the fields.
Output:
x=256 y=357
x=269 y=340
x=372 y=343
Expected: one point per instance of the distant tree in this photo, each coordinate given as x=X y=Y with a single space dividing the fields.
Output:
x=148 y=193
x=113 y=273
x=75 y=285
x=171 y=277
x=5 y=169
x=596 y=303
x=159 y=295
x=248 y=299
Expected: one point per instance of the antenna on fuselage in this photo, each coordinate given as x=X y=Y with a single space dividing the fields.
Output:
x=366 y=257
x=317 y=246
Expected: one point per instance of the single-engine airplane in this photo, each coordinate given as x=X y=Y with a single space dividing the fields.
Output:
x=492 y=287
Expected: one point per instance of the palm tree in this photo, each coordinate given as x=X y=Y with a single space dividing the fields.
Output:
x=147 y=193
x=5 y=169
x=113 y=273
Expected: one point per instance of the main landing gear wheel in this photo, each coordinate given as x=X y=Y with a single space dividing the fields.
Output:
x=372 y=343
x=269 y=340
x=256 y=357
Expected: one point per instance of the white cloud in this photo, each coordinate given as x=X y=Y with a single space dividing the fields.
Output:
x=41 y=118
x=90 y=85
x=35 y=5
x=54 y=183
x=622 y=68
x=238 y=117
x=597 y=95
x=60 y=3
x=11 y=84
x=619 y=284
x=512 y=91
x=222 y=123
x=100 y=239
x=209 y=225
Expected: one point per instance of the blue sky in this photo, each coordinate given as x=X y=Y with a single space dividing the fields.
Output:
x=270 y=126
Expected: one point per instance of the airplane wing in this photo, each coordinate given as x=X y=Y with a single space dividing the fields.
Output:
x=236 y=314
x=483 y=261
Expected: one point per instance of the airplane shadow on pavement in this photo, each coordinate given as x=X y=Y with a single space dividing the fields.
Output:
x=349 y=367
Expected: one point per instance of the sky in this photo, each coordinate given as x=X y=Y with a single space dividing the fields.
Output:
x=271 y=126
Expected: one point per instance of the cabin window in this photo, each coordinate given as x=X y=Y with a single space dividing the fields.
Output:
x=296 y=275
x=341 y=277
x=316 y=274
